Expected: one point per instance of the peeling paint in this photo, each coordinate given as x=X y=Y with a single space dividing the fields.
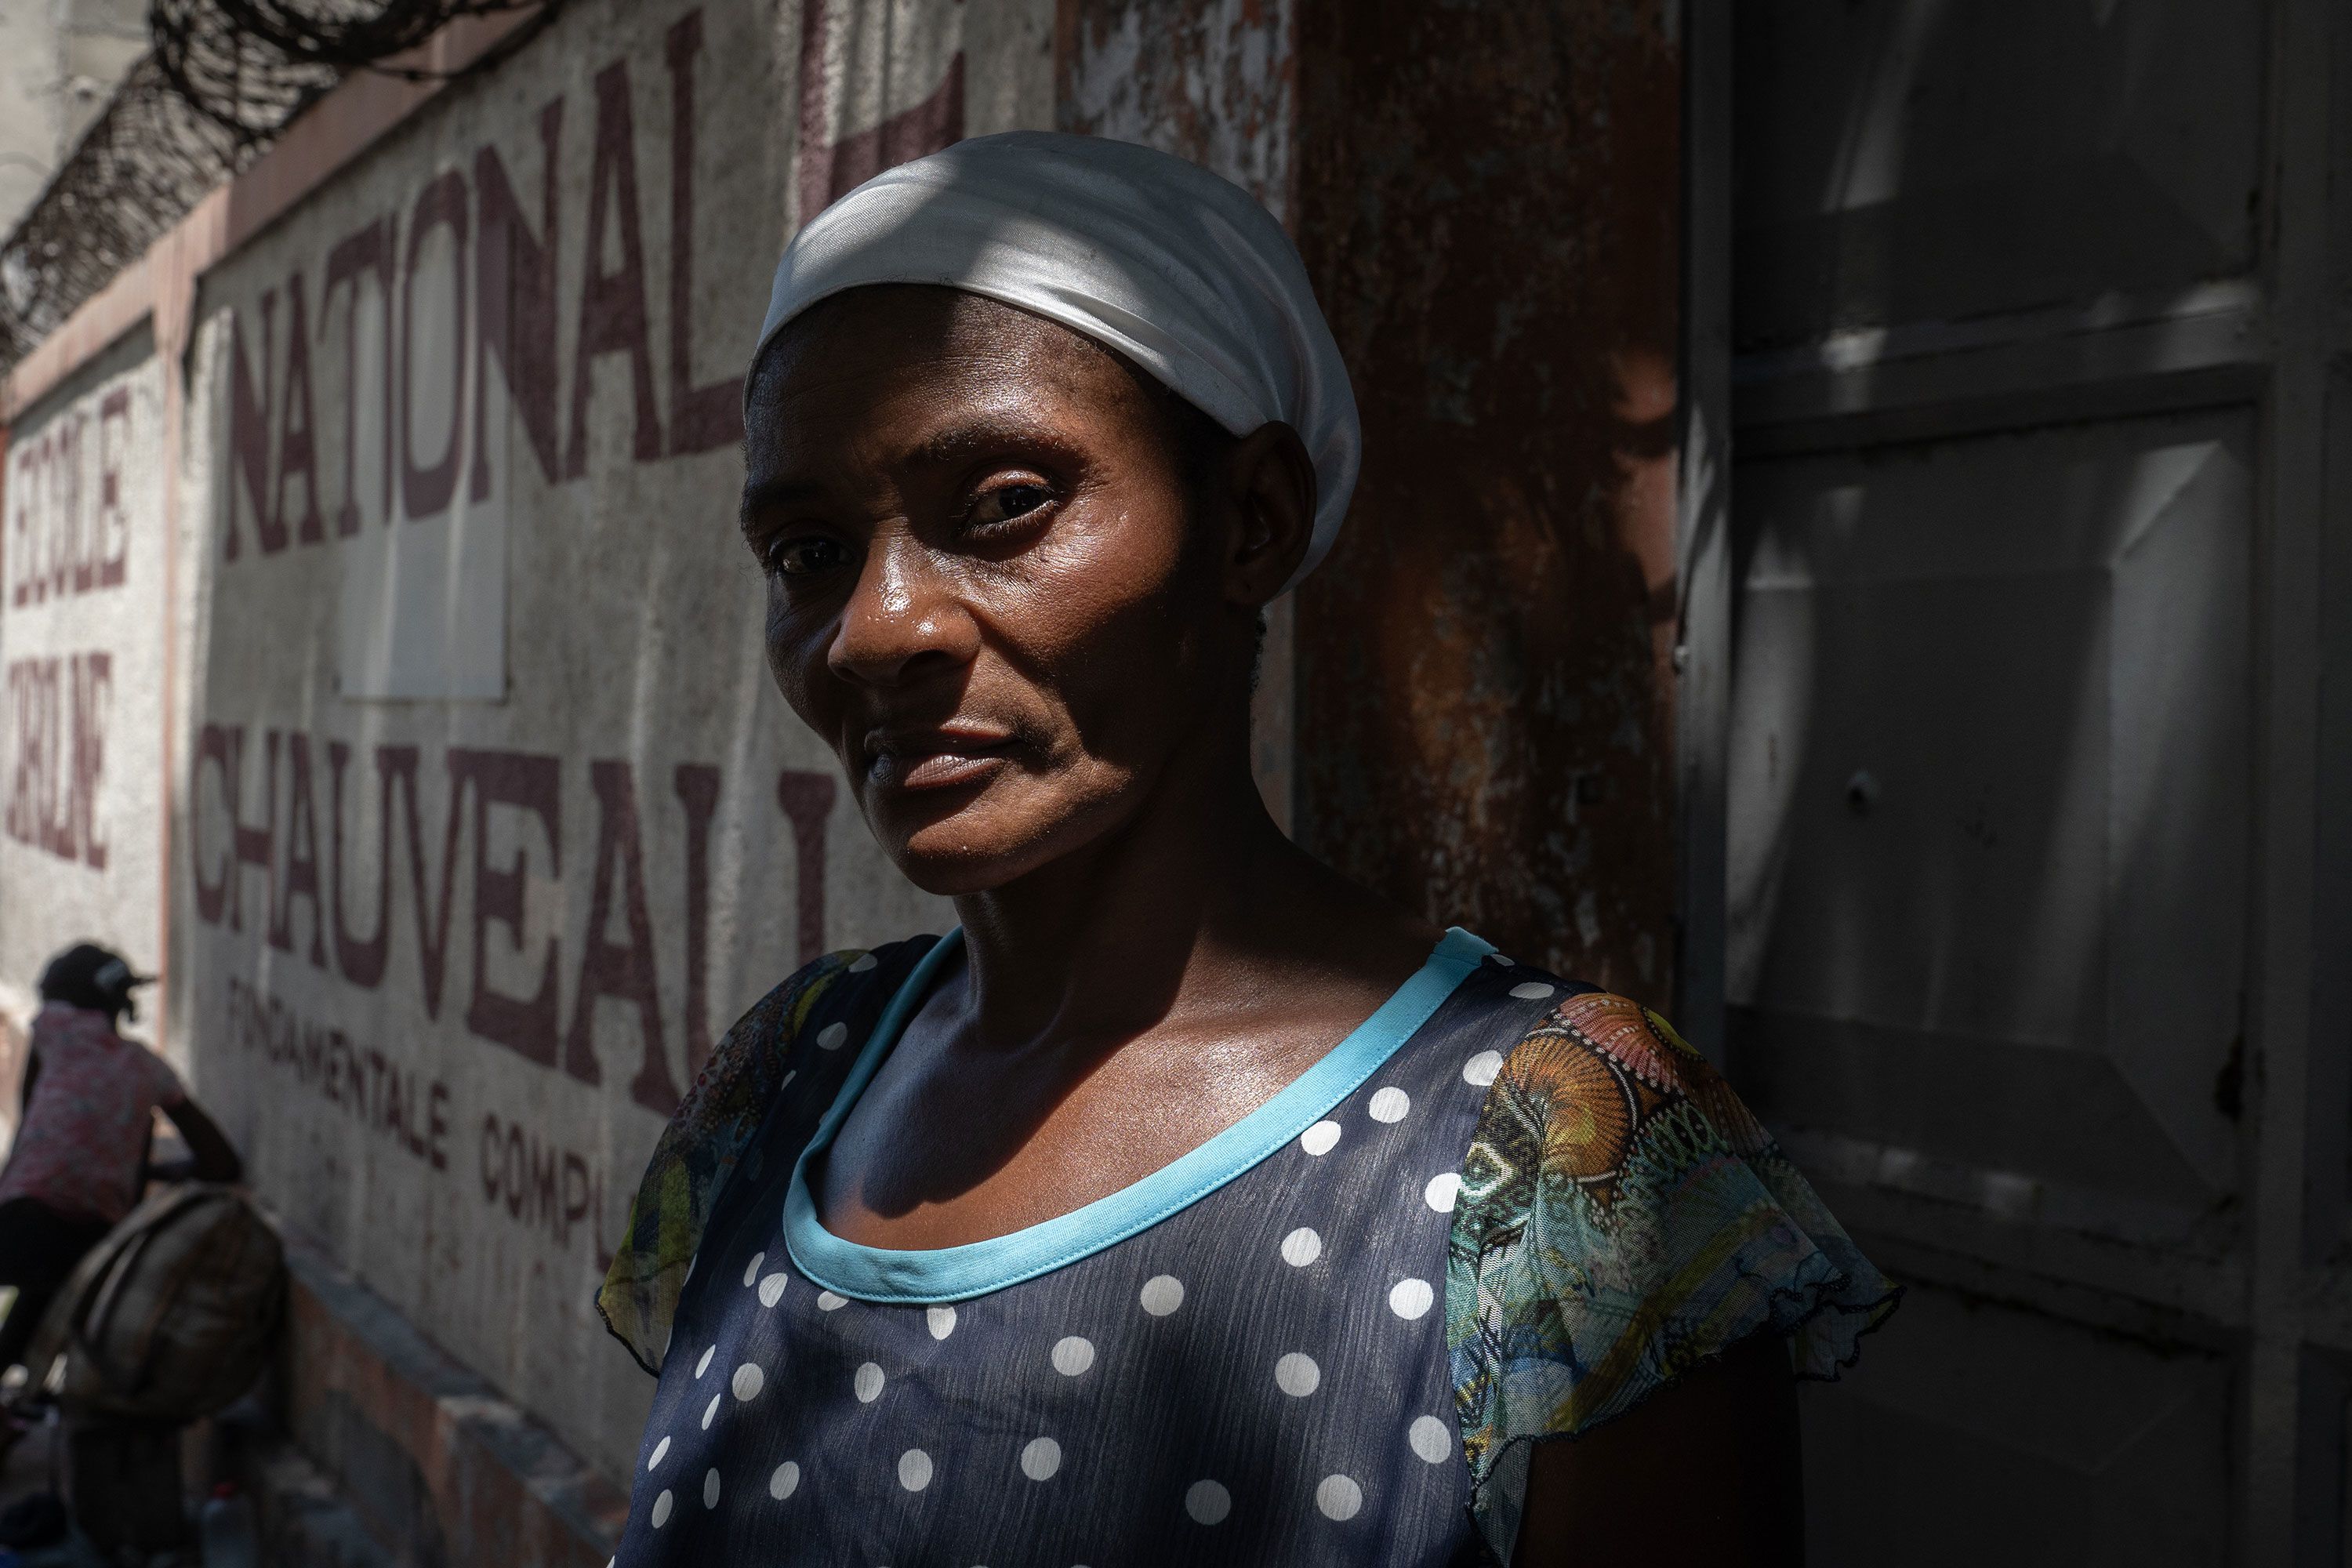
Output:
x=1212 y=81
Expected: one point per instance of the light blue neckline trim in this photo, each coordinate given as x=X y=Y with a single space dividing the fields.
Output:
x=958 y=1273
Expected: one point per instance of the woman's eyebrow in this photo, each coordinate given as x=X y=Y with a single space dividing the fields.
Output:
x=955 y=445
x=771 y=494
x=958 y=443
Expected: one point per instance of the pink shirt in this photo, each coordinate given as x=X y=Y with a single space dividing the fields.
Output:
x=85 y=1133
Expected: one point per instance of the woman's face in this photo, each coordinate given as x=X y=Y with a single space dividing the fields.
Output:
x=987 y=585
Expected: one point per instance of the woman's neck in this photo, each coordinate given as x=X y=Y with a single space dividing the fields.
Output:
x=1190 y=910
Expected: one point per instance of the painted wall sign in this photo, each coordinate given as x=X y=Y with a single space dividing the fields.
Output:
x=82 y=637
x=488 y=818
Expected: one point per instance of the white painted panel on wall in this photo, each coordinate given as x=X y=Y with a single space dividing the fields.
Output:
x=423 y=612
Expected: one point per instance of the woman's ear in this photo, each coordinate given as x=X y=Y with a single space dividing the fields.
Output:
x=1271 y=481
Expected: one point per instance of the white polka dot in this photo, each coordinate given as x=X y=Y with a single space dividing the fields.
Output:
x=1533 y=990
x=710 y=1487
x=1499 y=960
x=1301 y=1248
x=1208 y=1502
x=829 y=1038
x=1073 y=1355
x=751 y=1269
x=1297 y=1374
x=1338 y=1498
x=785 y=1481
x=1410 y=1298
x=867 y=1383
x=1482 y=1070
x=661 y=1452
x=826 y=1301
x=941 y=1321
x=747 y=1381
x=690 y=1264
x=1432 y=1440
x=1442 y=1191
x=661 y=1510
x=772 y=1289
x=864 y=965
x=914 y=1469
x=1391 y=1104
x=1041 y=1459
x=704 y=1365
x=711 y=1412
x=786 y=1081
x=1319 y=1137
x=1162 y=1294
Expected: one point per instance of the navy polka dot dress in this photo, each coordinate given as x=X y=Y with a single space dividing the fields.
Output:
x=1241 y=1359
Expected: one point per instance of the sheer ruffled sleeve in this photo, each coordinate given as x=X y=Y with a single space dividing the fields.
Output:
x=699 y=1151
x=1622 y=1218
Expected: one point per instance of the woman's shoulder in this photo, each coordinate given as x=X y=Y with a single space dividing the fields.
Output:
x=1598 y=1071
x=800 y=1003
x=1610 y=1155
x=785 y=1052
x=1624 y=1218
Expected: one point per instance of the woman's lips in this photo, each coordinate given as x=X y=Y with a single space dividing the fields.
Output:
x=936 y=760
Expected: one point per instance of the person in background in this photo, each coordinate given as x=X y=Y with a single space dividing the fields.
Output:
x=80 y=1156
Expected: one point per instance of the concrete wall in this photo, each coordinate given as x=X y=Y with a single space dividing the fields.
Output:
x=59 y=59
x=82 y=651
x=489 y=817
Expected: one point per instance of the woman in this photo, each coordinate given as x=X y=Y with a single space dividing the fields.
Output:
x=1189 y=1204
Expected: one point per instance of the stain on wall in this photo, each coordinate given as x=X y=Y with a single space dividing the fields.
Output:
x=1488 y=199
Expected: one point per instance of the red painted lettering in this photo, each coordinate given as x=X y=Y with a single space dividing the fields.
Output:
x=516 y=314
x=624 y=973
x=825 y=168
x=807 y=800
x=533 y=785
x=369 y=250
x=297 y=445
x=248 y=434
x=300 y=877
x=612 y=302
x=426 y=491
x=710 y=415
x=697 y=792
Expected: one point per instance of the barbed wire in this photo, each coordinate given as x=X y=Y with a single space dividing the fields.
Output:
x=252 y=65
x=144 y=162
x=222 y=78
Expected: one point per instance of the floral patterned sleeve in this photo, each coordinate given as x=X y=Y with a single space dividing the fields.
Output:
x=699 y=1151
x=1622 y=1218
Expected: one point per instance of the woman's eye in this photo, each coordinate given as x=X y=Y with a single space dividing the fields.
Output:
x=804 y=557
x=1007 y=503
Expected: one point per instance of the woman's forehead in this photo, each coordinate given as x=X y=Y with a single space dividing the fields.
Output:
x=912 y=325
x=847 y=355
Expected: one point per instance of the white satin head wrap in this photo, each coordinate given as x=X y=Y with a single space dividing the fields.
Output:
x=1181 y=271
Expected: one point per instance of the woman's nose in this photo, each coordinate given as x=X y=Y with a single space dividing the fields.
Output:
x=903 y=615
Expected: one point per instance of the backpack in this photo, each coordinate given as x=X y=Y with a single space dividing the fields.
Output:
x=171 y=1318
